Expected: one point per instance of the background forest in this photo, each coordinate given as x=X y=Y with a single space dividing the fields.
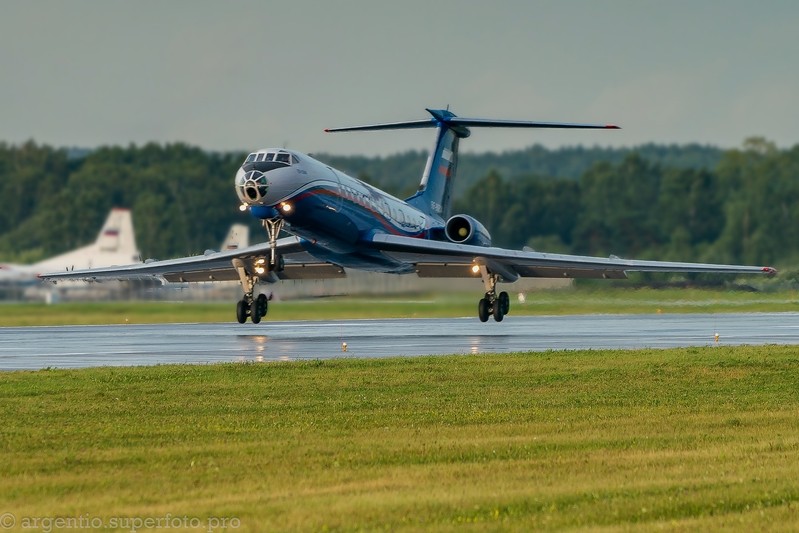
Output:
x=689 y=202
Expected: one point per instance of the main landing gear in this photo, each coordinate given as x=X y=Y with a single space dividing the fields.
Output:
x=251 y=272
x=492 y=304
x=255 y=308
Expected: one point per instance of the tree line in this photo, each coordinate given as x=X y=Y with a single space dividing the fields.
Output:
x=689 y=202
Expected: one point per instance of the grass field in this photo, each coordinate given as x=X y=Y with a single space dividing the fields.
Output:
x=688 y=439
x=573 y=301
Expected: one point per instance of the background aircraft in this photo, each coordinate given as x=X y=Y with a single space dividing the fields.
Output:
x=115 y=245
x=337 y=221
x=238 y=236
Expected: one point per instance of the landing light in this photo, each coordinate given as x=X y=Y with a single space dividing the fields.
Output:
x=260 y=270
x=475 y=269
x=286 y=208
x=243 y=207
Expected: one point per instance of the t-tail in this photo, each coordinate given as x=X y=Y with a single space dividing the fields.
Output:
x=434 y=196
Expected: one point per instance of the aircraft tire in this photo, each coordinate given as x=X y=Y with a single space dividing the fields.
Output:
x=262 y=304
x=241 y=311
x=482 y=310
x=498 y=308
x=504 y=302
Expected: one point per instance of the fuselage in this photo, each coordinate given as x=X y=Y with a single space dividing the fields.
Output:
x=335 y=214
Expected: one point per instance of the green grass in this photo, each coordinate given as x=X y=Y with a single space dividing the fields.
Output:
x=684 y=439
x=573 y=301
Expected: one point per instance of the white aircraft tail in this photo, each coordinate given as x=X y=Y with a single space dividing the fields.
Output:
x=115 y=245
x=117 y=233
x=237 y=237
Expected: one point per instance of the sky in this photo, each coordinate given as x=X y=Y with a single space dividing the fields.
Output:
x=241 y=75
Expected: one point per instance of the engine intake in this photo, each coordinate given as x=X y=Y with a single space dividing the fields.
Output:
x=252 y=187
x=464 y=229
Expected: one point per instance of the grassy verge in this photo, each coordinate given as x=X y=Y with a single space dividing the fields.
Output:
x=698 y=439
x=577 y=301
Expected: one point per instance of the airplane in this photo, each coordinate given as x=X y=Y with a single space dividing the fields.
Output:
x=238 y=236
x=115 y=245
x=335 y=221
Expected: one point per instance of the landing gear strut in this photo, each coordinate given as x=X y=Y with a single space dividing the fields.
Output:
x=273 y=227
x=251 y=273
x=492 y=303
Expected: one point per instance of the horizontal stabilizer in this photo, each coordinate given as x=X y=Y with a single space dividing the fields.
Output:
x=414 y=124
x=488 y=123
x=443 y=117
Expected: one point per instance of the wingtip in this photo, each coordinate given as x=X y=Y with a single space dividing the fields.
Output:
x=770 y=271
x=327 y=130
x=612 y=127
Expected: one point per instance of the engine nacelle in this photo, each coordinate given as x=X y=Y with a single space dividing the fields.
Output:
x=464 y=229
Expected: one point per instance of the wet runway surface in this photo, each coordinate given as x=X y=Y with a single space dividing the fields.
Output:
x=87 y=346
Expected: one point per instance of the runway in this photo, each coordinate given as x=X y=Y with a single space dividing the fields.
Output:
x=124 y=345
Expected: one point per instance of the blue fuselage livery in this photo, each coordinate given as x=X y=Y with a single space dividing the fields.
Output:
x=336 y=221
x=336 y=215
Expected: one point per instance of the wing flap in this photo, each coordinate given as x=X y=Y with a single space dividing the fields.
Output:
x=200 y=275
x=554 y=272
x=312 y=271
x=444 y=270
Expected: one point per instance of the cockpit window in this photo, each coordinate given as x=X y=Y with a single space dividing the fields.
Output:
x=278 y=157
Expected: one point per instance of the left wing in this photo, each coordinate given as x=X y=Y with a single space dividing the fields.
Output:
x=214 y=266
x=446 y=259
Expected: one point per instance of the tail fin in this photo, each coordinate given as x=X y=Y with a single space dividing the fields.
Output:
x=434 y=194
x=117 y=234
x=237 y=237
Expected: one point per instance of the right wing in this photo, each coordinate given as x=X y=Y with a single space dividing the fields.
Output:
x=447 y=259
x=214 y=266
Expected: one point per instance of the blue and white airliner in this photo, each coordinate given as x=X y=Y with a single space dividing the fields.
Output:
x=336 y=221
